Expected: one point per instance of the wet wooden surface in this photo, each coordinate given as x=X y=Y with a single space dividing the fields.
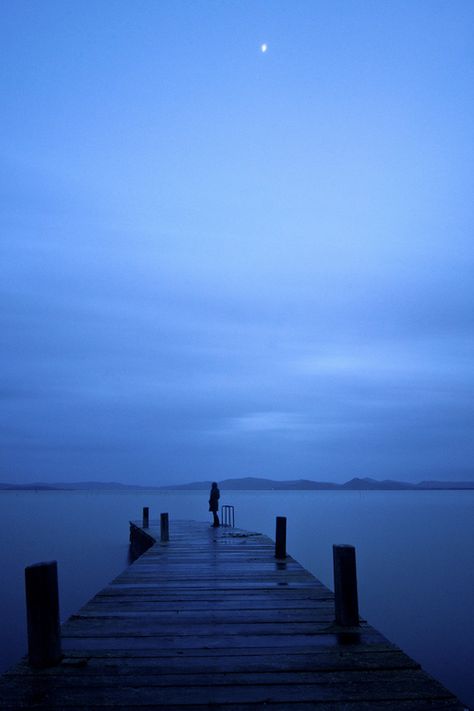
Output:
x=211 y=620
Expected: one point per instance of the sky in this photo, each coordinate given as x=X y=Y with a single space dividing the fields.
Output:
x=219 y=262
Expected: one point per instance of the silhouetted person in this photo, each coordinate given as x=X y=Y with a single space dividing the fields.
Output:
x=214 y=503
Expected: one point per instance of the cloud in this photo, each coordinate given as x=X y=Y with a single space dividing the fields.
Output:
x=260 y=422
x=204 y=268
x=422 y=358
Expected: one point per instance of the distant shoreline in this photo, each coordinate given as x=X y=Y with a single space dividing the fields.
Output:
x=253 y=484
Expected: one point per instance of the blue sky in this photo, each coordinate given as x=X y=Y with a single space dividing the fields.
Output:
x=221 y=262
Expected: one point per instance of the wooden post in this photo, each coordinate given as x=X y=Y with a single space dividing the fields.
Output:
x=146 y=517
x=164 y=527
x=345 y=586
x=280 y=537
x=42 y=611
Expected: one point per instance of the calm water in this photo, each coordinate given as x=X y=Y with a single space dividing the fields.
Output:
x=414 y=556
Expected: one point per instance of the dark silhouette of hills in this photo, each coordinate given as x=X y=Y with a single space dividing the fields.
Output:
x=362 y=484
x=250 y=484
x=386 y=484
x=72 y=486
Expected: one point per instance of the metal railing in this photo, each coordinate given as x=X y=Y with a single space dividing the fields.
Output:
x=227 y=516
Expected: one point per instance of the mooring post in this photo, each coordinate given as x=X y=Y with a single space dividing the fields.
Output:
x=280 y=537
x=42 y=612
x=345 y=586
x=146 y=517
x=164 y=527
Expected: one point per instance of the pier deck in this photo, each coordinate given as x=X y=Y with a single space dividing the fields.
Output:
x=211 y=619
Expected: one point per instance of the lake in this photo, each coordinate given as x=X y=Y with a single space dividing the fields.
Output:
x=414 y=556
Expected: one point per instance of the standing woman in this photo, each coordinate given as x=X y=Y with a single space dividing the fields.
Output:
x=214 y=503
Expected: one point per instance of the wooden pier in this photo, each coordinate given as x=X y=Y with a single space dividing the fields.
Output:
x=212 y=620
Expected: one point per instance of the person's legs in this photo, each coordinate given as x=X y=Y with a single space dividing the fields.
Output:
x=216 y=519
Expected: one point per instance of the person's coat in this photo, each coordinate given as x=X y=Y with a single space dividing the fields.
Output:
x=214 y=499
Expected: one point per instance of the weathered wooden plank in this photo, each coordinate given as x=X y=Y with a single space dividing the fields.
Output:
x=244 y=661
x=116 y=693
x=210 y=616
x=376 y=680
x=325 y=645
x=217 y=580
x=214 y=571
x=222 y=586
x=274 y=593
x=376 y=677
x=156 y=602
x=123 y=627
x=401 y=705
x=179 y=642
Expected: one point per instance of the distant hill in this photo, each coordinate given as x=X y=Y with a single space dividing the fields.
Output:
x=72 y=486
x=192 y=486
x=358 y=484
x=255 y=483
x=445 y=485
x=368 y=483
x=250 y=484
x=28 y=487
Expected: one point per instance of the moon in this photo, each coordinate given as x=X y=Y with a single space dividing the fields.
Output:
x=263 y=47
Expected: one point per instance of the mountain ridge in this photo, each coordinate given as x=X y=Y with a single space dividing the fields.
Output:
x=251 y=484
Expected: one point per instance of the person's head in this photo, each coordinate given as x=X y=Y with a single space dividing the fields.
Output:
x=214 y=484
